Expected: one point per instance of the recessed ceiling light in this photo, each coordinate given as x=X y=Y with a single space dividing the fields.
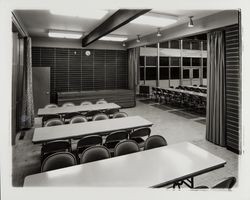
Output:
x=91 y=14
x=114 y=38
x=64 y=34
x=154 y=20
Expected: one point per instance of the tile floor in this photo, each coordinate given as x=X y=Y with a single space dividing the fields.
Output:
x=172 y=123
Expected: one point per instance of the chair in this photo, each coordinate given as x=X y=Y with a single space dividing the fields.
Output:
x=84 y=103
x=137 y=135
x=120 y=115
x=58 y=160
x=52 y=105
x=101 y=101
x=53 y=122
x=126 y=147
x=87 y=142
x=48 y=117
x=53 y=147
x=68 y=104
x=78 y=119
x=68 y=116
x=100 y=116
x=228 y=183
x=154 y=141
x=114 y=138
x=94 y=153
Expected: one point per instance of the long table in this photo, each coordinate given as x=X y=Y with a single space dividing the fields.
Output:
x=152 y=168
x=69 y=131
x=187 y=92
x=71 y=109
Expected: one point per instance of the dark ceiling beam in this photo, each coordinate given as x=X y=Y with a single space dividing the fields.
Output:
x=117 y=20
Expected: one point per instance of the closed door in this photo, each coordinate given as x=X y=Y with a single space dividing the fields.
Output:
x=41 y=87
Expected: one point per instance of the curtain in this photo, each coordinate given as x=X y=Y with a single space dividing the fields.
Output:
x=215 y=131
x=133 y=67
x=27 y=114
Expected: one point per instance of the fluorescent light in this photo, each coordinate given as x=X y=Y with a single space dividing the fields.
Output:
x=65 y=34
x=114 y=38
x=154 y=20
x=91 y=14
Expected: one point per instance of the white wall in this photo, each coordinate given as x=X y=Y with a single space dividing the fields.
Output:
x=71 y=43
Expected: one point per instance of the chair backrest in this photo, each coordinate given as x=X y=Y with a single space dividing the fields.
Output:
x=58 y=160
x=53 y=147
x=78 y=119
x=53 y=122
x=226 y=184
x=126 y=147
x=68 y=104
x=48 y=117
x=52 y=105
x=100 y=116
x=154 y=141
x=140 y=132
x=88 y=141
x=120 y=115
x=117 y=136
x=101 y=101
x=56 y=146
x=84 y=103
x=94 y=153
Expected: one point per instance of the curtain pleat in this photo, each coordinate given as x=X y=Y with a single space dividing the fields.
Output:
x=215 y=131
x=27 y=117
x=133 y=67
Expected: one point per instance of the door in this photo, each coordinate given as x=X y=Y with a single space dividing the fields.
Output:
x=41 y=87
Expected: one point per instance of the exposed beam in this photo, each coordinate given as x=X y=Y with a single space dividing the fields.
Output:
x=118 y=19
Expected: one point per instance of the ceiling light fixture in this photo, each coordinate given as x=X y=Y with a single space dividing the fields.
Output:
x=154 y=19
x=114 y=38
x=90 y=14
x=190 y=23
x=64 y=34
x=123 y=44
x=158 y=32
x=138 y=38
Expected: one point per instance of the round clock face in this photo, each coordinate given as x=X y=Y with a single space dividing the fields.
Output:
x=87 y=53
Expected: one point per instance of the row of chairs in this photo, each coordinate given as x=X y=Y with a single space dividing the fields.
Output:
x=112 y=139
x=76 y=117
x=84 y=103
x=99 y=152
x=193 y=89
x=189 y=101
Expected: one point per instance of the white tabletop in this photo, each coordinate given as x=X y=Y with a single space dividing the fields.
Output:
x=88 y=128
x=70 y=109
x=151 y=168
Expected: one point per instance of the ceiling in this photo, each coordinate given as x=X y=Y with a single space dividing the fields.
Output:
x=38 y=22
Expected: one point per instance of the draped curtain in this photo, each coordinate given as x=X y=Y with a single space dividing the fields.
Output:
x=27 y=114
x=133 y=67
x=215 y=131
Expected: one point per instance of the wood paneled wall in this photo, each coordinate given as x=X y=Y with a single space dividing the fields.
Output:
x=73 y=70
x=233 y=87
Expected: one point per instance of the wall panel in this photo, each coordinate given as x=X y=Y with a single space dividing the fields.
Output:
x=73 y=70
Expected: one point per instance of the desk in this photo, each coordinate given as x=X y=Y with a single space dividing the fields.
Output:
x=152 y=168
x=68 y=131
x=71 y=109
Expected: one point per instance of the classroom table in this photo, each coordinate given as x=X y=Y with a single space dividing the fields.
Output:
x=71 y=109
x=187 y=92
x=151 y=168
x=102 y=127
